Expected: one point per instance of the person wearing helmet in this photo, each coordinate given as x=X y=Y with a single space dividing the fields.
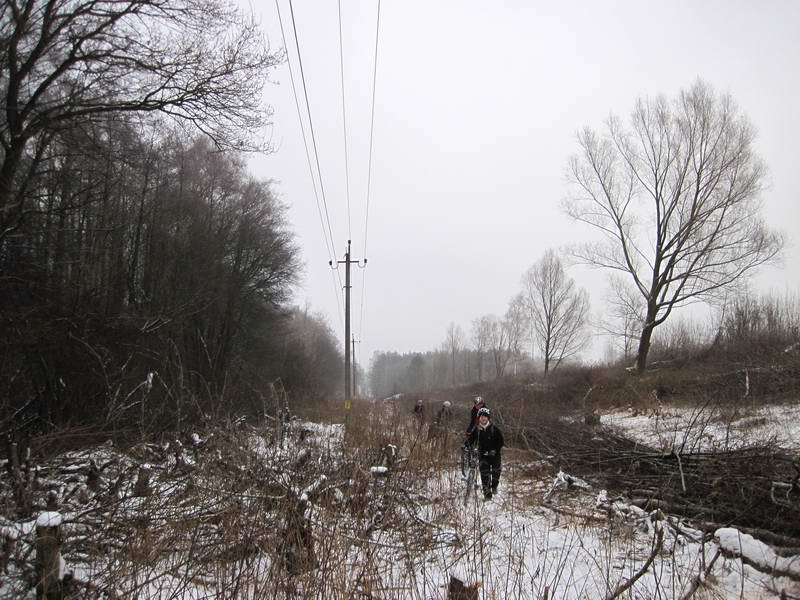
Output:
x=473 y=419
x=490 y=444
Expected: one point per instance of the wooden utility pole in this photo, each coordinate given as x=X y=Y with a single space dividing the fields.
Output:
x=347 y=262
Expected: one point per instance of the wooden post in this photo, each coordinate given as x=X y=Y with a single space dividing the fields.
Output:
x=142 y=486
x=9 y=537
x=48 y=556
x=93 y=479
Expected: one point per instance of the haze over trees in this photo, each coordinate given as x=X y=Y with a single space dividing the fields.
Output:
x=494 y=344
x=676 y=198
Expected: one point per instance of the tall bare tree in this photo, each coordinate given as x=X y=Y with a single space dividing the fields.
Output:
x=66 y=62
x=517 y=323
x=480 y=340
x=454 y=341
x=624 y=317
x=558 y=310
x=498 y=345
x=676 y=197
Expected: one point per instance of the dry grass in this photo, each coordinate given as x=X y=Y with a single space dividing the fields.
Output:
x=238 y=516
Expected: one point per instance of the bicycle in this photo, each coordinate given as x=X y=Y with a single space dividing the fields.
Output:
x=469 y=469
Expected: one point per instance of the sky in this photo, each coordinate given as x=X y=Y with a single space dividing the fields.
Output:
x=477 y=107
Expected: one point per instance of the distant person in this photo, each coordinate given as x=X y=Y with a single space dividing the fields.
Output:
x=444 y=416
x=441 y=425
x=490 y=444
x=419 y=410
x=473 y=418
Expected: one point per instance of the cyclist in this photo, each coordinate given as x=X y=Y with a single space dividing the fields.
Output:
x=490 y=443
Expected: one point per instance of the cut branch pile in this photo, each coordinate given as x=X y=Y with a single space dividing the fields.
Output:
x=755 y=487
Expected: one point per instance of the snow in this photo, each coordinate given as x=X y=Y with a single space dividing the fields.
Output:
x=580 y=544
x=735 y=543
x=49 y=519
x=710 y=428
x=565 y=481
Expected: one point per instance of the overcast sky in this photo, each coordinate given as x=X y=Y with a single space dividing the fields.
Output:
x=477 y=107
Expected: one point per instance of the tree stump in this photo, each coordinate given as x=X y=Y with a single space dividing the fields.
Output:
x=458 y=590
x=8 y=537
x=93 y=479
x=48 y=556
x=142 y=486
x=298 y=541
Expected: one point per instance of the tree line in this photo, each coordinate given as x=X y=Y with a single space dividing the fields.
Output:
x=550 y=312
x=145 y=275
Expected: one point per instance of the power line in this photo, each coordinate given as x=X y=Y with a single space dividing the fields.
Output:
x=328 y=244
x=361 y=314
x=369 y=164
x=372 y=122
x=310 y=120
x=344 y=124
x=305 y=140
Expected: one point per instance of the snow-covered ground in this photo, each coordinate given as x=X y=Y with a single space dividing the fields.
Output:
x=398 y=531
x=709 y=427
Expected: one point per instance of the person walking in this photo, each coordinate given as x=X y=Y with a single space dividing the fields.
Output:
x=473 y=417
x=419 y=410
x=490 y=444
x=444 y=416
x=440 y=428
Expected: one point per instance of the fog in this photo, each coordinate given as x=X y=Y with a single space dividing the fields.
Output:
x=477 y=106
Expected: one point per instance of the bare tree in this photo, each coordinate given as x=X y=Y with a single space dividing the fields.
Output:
x=480 y=340
x=517 y=321
x=66 y=62
x=498 y=345
x=454 y=340
x=676 y=197
x=558 y=310
x=624 y=316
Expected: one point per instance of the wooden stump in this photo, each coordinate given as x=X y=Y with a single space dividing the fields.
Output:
x=458 y=590
x=8 y=537
x=93 y=479
x=142 y=486
x=298 y=541
x=48 y=556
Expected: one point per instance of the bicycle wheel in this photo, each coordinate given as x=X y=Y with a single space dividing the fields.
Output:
x=471 y=474
x=465 y=460
x=469 y=482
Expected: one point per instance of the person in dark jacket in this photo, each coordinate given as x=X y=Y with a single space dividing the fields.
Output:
x=490 y=444
x=419 y=410
x=440 y=428
x=444 y=416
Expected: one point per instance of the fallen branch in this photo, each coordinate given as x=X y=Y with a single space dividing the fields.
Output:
x=735 y=544
x=700 y=578
x=626 y=585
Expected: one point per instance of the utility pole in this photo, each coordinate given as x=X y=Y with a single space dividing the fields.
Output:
x=347 y=262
